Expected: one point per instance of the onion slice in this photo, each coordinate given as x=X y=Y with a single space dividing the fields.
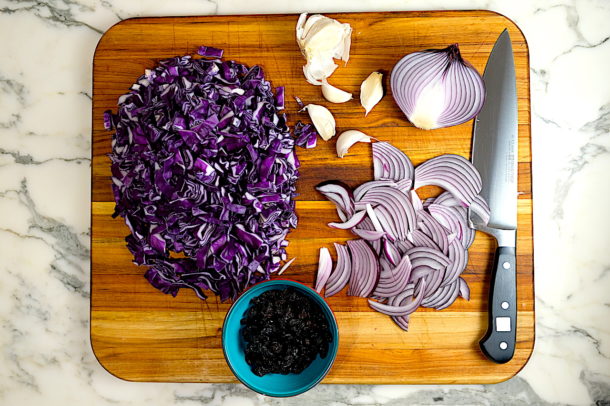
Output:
x=402 y=310
x=453 y=173
x=365 y=269
x=390 y=163
x=340 y=276
x=325 y=264
x=352 y=222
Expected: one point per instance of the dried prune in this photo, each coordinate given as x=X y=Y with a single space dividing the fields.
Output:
x=284 y=331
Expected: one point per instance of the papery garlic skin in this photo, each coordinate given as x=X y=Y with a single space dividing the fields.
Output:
x=349 y=138
x=322 y=119
x=321 y=39
x=333 y=94
x=371 y=91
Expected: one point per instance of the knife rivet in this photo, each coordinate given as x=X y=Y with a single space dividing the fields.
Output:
x=503 y=345
x=504 y=305
x=506 y=265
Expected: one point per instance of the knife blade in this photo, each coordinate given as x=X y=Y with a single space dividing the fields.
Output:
x=494 y=154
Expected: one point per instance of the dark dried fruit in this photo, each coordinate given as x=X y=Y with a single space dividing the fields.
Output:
x=284 y=331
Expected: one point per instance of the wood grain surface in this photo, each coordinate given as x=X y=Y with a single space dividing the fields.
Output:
x=141 y=334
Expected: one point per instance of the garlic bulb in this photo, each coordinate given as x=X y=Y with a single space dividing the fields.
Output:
x=333 y=94
x=371 y=91
x=322 y=119
x=321 y=39
x=349 y=138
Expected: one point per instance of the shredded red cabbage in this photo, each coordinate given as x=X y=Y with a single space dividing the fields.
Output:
x=204 y=172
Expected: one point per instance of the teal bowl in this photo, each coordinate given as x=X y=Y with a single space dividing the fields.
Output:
x=276 y=385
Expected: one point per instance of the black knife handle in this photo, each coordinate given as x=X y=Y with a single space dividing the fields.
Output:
x=498 y=344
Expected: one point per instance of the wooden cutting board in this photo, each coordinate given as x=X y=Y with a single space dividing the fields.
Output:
x=141 y=334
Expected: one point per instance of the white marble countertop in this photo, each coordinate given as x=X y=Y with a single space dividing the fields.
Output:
x=46 y=49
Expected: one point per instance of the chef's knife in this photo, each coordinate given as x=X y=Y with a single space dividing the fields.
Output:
x=494 y=154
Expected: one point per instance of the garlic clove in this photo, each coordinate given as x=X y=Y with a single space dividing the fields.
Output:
x=321 y=39
x=322 y=119
x=349 y=138
x=333 y=94
x=371 y=91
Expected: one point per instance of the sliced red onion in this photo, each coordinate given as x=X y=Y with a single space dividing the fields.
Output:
x=351 y=223
x=362 y=189
x=464 y=289
x=437 y=88
x=404 y=185
x=325 y=265
x=416 y=201
x=387 y=222
x=449 y=218
x=341 y=214
x=403 y=310
x=340 y=276
x=397 y=204
x=340 y=189
x=391 y=252
x=443 y=297
x=420 y=239
x=446 y=199
x=453 y=173
x=411 y=253
x=390 y=163
x=400 y=300
x=480 y=208
x=404 y=246
x=429 y=257
x=365 y=269
x=434 y=230
x=367 y=225
x=458 y=258
x=448 y=301
x=393 y=280
x=369 y=235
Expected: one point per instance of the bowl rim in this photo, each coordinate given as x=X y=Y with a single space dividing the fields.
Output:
x=334 y=347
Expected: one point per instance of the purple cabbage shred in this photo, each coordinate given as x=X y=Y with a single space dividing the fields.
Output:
x=203 y=173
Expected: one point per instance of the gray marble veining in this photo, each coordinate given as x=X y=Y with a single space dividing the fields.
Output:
x=46 y=48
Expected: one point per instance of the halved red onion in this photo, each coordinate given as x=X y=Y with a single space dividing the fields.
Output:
x=453 y=173
x=340 y=276
x=402 y=310
x=390 y=163
x=351 y=223
x=325 y=265
x=437 y=88
x=365 y=269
